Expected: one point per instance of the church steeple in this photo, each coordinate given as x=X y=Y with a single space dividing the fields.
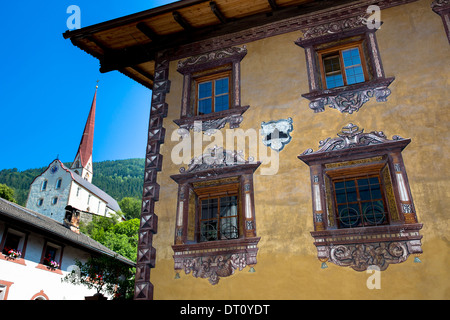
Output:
x=82 y=164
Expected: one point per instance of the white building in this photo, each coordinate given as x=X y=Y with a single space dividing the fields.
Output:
x=29 y=277
x=58 y=187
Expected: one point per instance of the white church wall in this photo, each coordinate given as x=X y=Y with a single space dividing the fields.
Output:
x=84 y=200
x=43 y=201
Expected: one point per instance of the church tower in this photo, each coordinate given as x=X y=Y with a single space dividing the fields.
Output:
x=82 y=164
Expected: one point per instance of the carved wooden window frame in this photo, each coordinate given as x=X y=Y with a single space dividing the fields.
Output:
x=355 y=150
x=228 y=59
x=338 y=50
x=217 y=192
x=350 y=98
x=212 y=78
x=188 y=250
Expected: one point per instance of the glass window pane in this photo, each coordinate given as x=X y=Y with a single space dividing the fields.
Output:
x=228 y=206
x=351 y=195
x=221 y=86
x=334 y=81
x=376 y=192
x=351 y=57
x=209 y=208
x=341 y=196
x=332 y=64
x=229 y=228
x=374 y=212
x=349 y=183
x=364 y=193
x=205 y=106
x=221 y=103
x=363 y=182
x=354 y=75
x=339 y=185
x=349 y=215
x=205 y=90
x=208 y=230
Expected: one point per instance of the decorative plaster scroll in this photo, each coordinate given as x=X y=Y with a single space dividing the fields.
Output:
x=211 y=57
x=210 y=123
x=439 y=4
x=217 y=157
x=276 y=133
x=333 y=27
x=351 y=136
x=361 y=256
x=214 y=267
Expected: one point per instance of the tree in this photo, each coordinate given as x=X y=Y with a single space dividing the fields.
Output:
x=104 y=274
x=121 y=237
x=131 y=207
x=7 y=193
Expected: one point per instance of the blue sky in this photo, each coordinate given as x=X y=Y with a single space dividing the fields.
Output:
x=47 y=85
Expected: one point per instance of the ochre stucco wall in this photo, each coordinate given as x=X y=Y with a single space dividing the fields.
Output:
x=414 y=49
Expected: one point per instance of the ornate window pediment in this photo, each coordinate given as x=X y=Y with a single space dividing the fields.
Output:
x=211 y=90
x=352 y=84
x=362 y=205
x=215 y=231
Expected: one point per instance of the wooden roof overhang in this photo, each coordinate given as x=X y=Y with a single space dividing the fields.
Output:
x=129 y=44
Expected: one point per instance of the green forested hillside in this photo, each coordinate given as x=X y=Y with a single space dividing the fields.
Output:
x=118 y=178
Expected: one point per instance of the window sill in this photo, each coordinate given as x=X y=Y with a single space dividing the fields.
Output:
x=214 y=258
x=20 y=261
x=213 y=121
x=360 y=248
x=349 y=99
x=47 y=268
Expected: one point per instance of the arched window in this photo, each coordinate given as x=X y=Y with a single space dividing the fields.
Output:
x=44 y=185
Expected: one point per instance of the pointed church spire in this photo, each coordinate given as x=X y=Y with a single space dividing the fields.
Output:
x=82 y=164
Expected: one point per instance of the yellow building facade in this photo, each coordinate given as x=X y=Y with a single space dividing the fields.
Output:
x=292 y=236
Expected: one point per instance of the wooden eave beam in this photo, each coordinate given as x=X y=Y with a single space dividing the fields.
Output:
x=131 y=56
x=181 y=21
x=273 y=4
x=215 y=9
x=147 y=31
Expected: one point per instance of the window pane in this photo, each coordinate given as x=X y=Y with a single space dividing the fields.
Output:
x=376 y=192
x=208 y=230
x=351 y=195
x=228 y=206
x=351 y=57
x=209 y=209
x=349 y=215
x=339 y=185
x=341 y=196
x=332 y=64
x=221 y=86
x=205 y=106
x=205 y=90
x=334 y=81
x=221 y=103
x=364 y=193
x=229 y=228
x=374 y=212
x=354 y=75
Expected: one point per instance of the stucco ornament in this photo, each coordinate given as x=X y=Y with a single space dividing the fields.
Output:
x=276 y=133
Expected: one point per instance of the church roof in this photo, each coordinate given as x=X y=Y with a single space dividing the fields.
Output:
x=110 y=201
x=42 y=224
x=87 y=140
